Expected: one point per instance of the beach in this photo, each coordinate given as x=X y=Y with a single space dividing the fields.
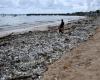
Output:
x=27 y=56
x=82 y=63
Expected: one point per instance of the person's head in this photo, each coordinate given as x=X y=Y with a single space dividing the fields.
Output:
x=62 y=20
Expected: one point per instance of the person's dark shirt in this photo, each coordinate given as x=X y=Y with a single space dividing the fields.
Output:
x=62 y=24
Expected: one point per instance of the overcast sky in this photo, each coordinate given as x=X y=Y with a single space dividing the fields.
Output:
x=47 y=6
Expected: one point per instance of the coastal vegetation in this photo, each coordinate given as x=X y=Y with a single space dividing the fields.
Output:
x=90 y=13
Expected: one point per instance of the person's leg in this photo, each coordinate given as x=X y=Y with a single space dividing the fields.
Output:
x=61 y=30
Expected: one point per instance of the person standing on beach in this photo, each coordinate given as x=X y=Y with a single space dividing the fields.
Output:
x=61 y=27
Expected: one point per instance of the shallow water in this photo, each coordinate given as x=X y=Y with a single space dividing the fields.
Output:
x=9 y=24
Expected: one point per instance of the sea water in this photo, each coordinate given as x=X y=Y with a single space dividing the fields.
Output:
x=23 y=23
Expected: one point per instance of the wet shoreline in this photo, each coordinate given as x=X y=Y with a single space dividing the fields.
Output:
x=22 y=24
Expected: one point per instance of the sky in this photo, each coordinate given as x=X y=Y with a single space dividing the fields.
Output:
x=47 y=6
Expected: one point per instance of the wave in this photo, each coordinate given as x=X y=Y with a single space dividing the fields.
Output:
x=24 y=30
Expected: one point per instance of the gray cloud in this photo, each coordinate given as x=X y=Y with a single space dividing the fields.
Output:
x=30 y=6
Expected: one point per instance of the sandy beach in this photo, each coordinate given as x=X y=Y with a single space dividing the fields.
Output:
x=32 y=55
x=82 y=63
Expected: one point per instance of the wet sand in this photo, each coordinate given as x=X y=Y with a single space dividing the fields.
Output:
x=82 y=63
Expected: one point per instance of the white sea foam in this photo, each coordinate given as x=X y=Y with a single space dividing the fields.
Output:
x=24 y=30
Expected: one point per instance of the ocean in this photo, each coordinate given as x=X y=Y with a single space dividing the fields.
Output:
x=23 y=23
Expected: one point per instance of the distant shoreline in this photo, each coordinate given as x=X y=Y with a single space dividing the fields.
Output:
x=89 y=13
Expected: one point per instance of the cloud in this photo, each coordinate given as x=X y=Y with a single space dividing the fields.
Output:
x=47 y=6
